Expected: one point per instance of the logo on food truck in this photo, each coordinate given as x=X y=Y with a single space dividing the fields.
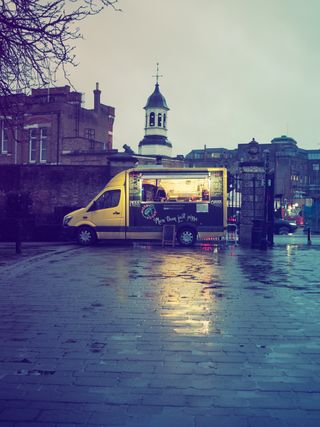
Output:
x=149 y=211
x=177 y=219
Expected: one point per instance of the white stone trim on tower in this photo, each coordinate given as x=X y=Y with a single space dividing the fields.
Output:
x=155 y=150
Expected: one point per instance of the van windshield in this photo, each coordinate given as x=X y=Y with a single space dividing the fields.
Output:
x=109 y=199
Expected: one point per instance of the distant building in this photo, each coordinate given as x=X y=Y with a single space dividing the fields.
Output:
x=290 y=164
x=155 y=141
x=213 y=157
x=296 y=170
x=314 y=173
x=50 y=126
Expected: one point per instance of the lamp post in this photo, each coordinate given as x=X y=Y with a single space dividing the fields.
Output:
x=269 y=200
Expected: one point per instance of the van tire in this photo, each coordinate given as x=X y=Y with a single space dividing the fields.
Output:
x=86 y=236
x=186 y=236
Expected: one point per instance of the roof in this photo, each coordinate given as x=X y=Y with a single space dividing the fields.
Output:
x=156 y=99
x=155 y=140
x=210 y=150
x=283 y=139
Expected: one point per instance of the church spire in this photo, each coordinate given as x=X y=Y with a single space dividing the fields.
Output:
x=157 y=75
x=156 y=99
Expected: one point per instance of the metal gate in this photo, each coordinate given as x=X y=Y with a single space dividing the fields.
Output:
x=234 y=199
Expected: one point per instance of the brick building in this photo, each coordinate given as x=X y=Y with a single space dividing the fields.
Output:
x=314 y=173
x=51 y=126
x=290 y=166
x=296 y=170
x=214 y=157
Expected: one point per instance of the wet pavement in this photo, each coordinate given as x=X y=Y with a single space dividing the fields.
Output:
x=159 y=337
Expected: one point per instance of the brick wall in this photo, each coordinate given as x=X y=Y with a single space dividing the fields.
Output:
x=53 y=187
x=79 y=143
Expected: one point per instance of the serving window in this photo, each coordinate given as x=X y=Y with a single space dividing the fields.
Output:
x=179 y=187
x=175 y=190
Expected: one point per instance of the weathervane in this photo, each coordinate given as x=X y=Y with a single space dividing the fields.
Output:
x=157 y=75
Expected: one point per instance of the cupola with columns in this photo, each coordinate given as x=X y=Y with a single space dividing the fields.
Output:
x=155 y=142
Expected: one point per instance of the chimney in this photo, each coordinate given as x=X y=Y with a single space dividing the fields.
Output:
x=96 y=94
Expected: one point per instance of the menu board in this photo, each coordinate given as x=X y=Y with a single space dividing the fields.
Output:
x=134 y=186
x=216 y=186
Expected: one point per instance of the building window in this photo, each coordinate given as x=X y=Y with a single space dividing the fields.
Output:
x=314 y=156
x=90 y=133
x=164 y=120
x=152 y=119
x=32 y=145
x=43 y=144
x=316 y=166
x=159 y=120
x=4 y=139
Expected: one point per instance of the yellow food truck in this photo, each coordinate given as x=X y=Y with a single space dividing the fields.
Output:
x=138 y=203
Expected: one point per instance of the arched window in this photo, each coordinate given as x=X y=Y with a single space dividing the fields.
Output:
x=164 y=120
x=151 y=120
x=159 y=120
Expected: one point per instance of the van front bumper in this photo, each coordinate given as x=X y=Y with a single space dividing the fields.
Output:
x=69 y=232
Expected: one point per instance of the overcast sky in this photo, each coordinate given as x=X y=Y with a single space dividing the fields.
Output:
x=232 y=69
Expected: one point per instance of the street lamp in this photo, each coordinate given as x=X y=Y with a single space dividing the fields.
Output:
x=269 y=200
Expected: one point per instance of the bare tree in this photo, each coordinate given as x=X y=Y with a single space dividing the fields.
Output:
x=37 y=38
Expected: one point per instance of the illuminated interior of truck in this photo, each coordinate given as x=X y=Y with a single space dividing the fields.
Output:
x=175 y=189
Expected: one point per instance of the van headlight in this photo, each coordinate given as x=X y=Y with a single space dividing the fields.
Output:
x=67 y=219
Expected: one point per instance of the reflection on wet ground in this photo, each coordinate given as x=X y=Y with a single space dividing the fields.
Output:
x=189 y=287
x=185 y=290
x=288 y=265
x=165 y=336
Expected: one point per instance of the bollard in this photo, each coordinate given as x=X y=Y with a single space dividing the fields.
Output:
x=309 y=236
x=18 y=237
x=258 y=234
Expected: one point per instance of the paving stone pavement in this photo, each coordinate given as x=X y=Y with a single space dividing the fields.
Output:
x=159 y=337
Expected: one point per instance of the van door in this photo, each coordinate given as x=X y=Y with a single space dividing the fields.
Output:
x=107 y=213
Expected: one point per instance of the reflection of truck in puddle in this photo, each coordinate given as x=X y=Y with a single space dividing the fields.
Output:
x=137 y=203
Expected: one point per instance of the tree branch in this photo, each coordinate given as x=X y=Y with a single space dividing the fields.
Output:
x=37 y=39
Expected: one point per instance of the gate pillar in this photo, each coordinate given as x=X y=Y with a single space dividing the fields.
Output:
x=253 y=211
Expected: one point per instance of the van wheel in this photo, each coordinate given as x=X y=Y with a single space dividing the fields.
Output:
x=186 y=236
x=86 y=236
